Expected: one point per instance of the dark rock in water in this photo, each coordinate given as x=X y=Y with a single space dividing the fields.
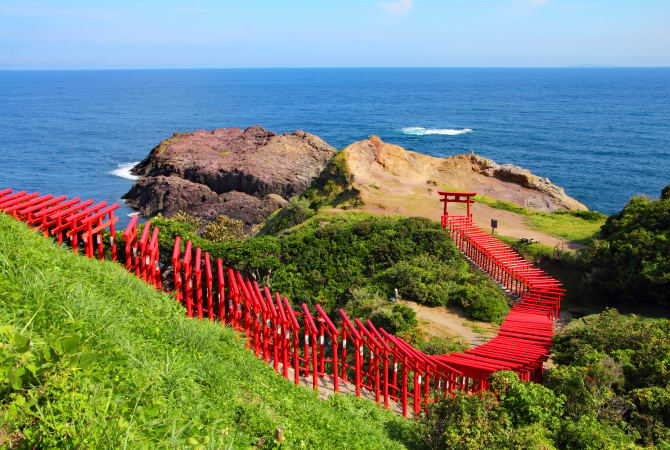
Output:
x=243 y=174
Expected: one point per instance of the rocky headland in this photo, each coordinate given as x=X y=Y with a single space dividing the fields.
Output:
x=248 y=174
x=392 y=171
x=243 y=174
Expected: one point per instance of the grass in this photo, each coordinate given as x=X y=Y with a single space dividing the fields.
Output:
x=92 y=357
x=575 y=226
x=474 y=327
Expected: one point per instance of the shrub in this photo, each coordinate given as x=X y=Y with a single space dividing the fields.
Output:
x=526 y=403
x=296 y=211
x=184 y=217
x=651 y=416
x=629 y=264
x=483 y=303
x=331 y=254
x=463 y=422
x=425 y=279
x=394 y=318
x=587 y=433
x=615 y=369
x=224 y=229
x=440 y=345
x=591 y=216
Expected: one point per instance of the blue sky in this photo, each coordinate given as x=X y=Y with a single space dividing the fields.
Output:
x=219 y=33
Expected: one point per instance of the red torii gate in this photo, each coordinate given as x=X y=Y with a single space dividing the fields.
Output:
x=457 y=197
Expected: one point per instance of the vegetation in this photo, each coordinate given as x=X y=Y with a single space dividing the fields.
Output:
x=610 y=390
x=325 y=258
x=294 y=213
x=577 y=409
x=85 y=363
x=393 y=317
x=615 y=369
x=629 y=263
x=435 y=345
x=577 y=226
x=334 y=187
x=92 y=357
x=224 y=229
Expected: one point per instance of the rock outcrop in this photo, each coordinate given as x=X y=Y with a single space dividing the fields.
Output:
x=394 y=172
x=243 y=174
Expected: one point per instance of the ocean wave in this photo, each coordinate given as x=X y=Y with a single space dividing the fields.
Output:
x=421 y=131
x=132 y=214
x=123 y=171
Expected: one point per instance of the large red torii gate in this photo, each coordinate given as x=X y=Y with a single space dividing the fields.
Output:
x=457 y=197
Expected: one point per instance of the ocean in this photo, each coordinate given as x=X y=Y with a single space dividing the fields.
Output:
x=601 y=133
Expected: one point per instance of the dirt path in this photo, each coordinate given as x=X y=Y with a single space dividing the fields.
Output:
x=440 y=321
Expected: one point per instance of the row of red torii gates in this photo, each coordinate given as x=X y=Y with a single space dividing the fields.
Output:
x=307 y=343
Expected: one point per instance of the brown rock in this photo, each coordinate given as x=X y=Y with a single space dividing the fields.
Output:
x=169 y=195
x=244 y=174
x=255 y=161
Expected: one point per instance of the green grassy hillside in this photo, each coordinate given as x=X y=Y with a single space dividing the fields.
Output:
x=92 y=357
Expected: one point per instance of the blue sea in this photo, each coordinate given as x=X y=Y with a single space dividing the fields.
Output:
x=602 y=133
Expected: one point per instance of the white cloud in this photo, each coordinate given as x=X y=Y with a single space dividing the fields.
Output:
x=397 y=7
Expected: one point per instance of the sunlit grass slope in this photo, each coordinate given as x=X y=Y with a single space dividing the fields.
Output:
x=92 y=357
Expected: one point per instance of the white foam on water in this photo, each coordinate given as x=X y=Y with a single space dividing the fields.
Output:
x=123 y=171
x=421 y=131
x=132 y=214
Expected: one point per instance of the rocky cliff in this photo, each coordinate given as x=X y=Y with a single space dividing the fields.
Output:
x=243 y=174
x=381 y=170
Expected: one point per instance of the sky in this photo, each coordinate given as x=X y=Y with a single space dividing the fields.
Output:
x=135 y=34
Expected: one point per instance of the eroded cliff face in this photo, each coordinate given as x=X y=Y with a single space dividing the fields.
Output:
x=394 y=172
x=243 y=174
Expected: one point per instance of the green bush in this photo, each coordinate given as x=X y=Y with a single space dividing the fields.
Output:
x=665 y=193
x=588 y=433
x=334 y=186
x=615 y=369
x=426 y=279
x=588 y=390
x=224 y=229
x=483 y=302
x=296 y=211
x=440 y=345
x=464 y=422
x=526 y=403
x=514 y=414
x=591 y=216
x=393 y=318
x=651 y=414
x=328 y=256
x=629 y=264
